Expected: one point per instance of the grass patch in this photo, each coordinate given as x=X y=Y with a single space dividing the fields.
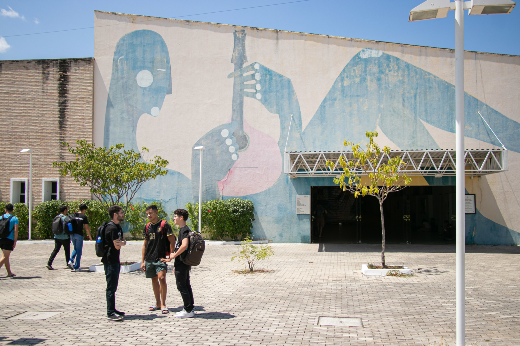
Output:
x=397 y=273
x=372 y=266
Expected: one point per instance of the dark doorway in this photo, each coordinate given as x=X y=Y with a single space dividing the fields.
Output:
x=415 y=214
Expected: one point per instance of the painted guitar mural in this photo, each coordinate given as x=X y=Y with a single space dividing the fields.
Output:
x=242 y=159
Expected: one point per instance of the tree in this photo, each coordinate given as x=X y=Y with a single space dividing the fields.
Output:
x=112 y=174
x=382 y=171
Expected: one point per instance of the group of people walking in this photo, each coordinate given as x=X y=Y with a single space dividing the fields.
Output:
x=159 y=248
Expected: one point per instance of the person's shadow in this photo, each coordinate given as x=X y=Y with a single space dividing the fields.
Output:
x=204 y=314
x=143 y=317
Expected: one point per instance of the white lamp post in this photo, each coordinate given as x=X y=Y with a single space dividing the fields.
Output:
x=439 y=9
x=201 y=148
x=30 y=188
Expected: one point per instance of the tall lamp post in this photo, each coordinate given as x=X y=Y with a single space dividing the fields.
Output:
x=201 y=148
x=432 y=9
x=30 y=188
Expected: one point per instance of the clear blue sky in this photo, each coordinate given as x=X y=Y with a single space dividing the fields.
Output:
x=24 y=25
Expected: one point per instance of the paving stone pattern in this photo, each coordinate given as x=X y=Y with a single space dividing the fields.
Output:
x=280 y=307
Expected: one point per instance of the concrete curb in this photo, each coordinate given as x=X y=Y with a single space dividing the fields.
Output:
x=140 y=242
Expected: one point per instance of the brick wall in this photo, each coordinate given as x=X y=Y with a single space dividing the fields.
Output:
x=42 y=104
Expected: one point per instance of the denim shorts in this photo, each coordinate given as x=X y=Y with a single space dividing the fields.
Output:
x=154 y=268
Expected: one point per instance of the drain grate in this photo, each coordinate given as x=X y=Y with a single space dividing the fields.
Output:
x=34 y=315
x=340 y=321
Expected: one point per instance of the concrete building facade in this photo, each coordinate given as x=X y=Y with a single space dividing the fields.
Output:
x=251 y=95
x=43 y=103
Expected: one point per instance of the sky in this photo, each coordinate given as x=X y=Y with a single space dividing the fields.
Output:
x=36 y=29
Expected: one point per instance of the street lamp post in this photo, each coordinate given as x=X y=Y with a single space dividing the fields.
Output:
x=201 y=148
x=432 y=9
x=30 y=188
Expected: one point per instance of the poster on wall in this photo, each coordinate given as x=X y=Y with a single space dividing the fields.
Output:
x=469 y=204
x=303 y=204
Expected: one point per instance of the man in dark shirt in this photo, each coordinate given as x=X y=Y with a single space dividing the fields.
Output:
x=114 y=240
x=182 y=271
x=77 y=237
x=158 y=244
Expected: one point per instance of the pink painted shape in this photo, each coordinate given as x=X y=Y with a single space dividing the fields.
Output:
x=256 y=169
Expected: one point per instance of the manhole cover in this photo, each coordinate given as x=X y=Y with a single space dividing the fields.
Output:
x=34 y=315
x=340 y=321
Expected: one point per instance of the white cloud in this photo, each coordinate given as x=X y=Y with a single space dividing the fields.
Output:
x=4 y=46
x=10 y=13
x=36 y=21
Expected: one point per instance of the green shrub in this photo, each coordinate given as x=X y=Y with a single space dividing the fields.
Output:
x=232 y=218
x=250 y=254
x=21 y=211
x=45 y=212
x=135 y=218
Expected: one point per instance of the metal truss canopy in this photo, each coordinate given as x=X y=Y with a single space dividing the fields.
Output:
x=436 y=163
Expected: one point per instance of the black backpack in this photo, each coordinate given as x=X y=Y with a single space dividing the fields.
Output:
x=76 y=222
x=5 y=226
x=193 y=254
x=57 y=225
x=100 y=240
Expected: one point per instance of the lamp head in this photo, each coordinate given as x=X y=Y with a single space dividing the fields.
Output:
x=200 y=147
x=491 y=6
x=26 y=151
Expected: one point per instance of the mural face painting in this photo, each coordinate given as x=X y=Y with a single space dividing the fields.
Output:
x=246 y=113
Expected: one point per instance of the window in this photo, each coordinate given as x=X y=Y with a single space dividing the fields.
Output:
x=50 y=189
x=19 y=190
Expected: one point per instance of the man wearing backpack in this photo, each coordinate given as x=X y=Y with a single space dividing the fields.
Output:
x=80 y=222
x=8 y=238
x=113 y=240
x=158 y=244
x=182 y=271
x=61 y=239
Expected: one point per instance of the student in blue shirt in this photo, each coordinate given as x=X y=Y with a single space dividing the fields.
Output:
x=8 y=244
x=61 y=240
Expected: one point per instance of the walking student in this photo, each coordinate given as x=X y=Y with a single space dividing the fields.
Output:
x=114 y=240
x=77 y=237
x=158 y=244
x=61 y=239
x=7 y=244
x=182 y=271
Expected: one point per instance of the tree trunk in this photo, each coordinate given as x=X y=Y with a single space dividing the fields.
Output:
x=383 y=234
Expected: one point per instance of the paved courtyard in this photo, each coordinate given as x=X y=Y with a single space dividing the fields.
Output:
x=275 y=308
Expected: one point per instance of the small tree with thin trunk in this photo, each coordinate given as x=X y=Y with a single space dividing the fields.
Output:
x=114 y=175
x=372 y=172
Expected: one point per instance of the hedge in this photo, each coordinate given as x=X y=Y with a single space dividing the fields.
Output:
x=22 y=213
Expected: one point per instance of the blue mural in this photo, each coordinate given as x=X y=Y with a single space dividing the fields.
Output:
x=374 y=89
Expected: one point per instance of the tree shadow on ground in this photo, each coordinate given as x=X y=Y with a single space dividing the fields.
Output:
x=21 y=278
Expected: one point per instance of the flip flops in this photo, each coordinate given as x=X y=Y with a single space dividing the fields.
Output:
x=153 y=308
x=11 y=276
x=165 y=311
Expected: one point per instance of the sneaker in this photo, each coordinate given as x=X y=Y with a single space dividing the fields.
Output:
x=120 y=313
x=70 y=265
x=48 y=266
x=114 y=317
x=184 y=314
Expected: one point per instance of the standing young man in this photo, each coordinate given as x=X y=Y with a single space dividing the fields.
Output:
x=182 y=271
x=114 y=240
x=9 y=243
x=158 y=244
x=61 y=239
x=77 y=237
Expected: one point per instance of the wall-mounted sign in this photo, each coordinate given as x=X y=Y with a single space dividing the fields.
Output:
x=303 y=204
x=470 y=204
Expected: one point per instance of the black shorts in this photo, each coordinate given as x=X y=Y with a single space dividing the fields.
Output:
x=6 y=244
